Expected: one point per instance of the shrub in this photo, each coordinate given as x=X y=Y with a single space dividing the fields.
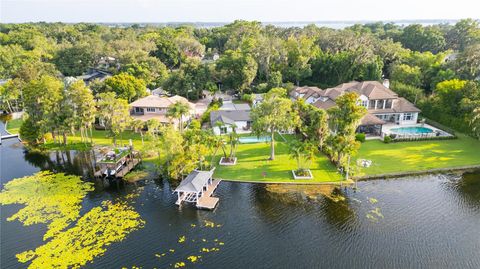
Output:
x=247 y=98
x=29 y=131
x=206 y=116
x=387 y=139
x=360 y=137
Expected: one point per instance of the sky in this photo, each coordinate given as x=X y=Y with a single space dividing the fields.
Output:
x=230 y=10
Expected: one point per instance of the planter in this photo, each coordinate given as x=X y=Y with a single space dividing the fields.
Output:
x=309 y=176
x=223 y=161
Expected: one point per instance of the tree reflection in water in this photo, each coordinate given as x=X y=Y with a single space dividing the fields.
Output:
x=331 y=202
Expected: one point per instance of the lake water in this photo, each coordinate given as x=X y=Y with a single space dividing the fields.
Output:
x=428 y=221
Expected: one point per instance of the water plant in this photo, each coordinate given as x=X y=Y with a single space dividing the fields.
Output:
x=52 y=199
x=87 y=239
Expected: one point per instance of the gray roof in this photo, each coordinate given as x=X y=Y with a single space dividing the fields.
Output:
x=229 y=116
x=195 y=181
x=232 y=106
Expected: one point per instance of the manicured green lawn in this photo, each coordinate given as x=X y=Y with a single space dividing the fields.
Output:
x=419 y=155
x=13 y=126
x=252 y=163
x=100 y=138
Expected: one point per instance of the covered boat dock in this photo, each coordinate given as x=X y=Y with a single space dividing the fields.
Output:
x=198 y=188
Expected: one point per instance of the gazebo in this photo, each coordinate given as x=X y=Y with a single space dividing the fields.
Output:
x=197 y=188
x=370 y=125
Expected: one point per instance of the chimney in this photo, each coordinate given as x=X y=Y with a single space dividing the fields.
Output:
x=386 y=83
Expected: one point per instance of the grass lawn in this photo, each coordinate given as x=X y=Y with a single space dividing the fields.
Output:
x=252 y=163
x=13 y=126
x=99 y=138
x=419 y=155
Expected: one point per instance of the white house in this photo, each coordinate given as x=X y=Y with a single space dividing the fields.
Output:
x=222 y=121
x=156 y=107
x=383 y=105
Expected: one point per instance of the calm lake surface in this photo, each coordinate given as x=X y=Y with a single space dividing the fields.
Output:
x=428 y=221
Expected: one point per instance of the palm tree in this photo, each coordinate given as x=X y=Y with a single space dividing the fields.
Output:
x=303 y=153
x=233 y=142
x=475 y=122
x=137 y=126
x=177 y=111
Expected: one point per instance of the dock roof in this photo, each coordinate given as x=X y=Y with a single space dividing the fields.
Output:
x=195 y=181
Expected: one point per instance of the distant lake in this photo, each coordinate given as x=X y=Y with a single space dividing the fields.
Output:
x=430 y=221
x=329 y=24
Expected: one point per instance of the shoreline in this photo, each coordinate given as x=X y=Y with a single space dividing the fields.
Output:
x=346 y=182
x=466 y=168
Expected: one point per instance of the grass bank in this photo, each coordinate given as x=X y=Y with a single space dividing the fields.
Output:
x=13 y=126
x=99 y=138
x=253 y=166
x=418 y=155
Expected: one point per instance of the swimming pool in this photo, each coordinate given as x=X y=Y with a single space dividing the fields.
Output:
x=411 y=130
x=254 y=139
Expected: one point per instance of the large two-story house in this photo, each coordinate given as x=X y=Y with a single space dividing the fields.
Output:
x=156 y=107
x=383 y=105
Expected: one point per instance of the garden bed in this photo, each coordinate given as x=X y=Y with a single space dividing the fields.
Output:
x=307 y=174
x=227 y=161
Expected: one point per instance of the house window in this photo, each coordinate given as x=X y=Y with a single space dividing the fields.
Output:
x=150 y=109
x=407 y=116
x=364 y=103
x=138 y=110
x=223 y=130
x=388 y=104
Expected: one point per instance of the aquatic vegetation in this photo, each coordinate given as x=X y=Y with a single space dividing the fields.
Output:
x=74 y=247
x=53 y=199
x=372 y=200
x=181 y=239
x=171 y=250
x=87 y=239
x=211 y=224
x=179 y=264
x=377 y=212
x=193 y=225
x=134 y=176
x=209 y=249
x=374 y=214
x=193 y=259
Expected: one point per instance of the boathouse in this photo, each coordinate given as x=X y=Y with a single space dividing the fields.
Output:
x=198 y=188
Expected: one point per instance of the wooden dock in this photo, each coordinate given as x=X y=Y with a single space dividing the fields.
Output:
x=206 y=201
x=127 y=168
x=118 y=167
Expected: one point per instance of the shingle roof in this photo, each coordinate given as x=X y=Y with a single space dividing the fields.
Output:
x=324 y=104
x=229 y=116
x=161 y=102
x=195 y=181
x=403 y=105
x=370 y=119
x=372 y=89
